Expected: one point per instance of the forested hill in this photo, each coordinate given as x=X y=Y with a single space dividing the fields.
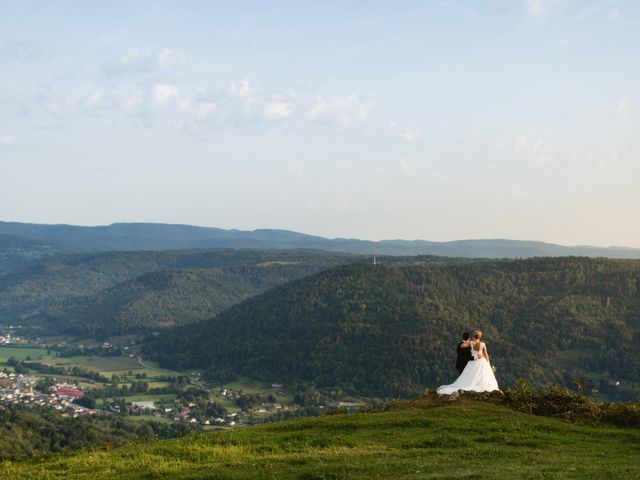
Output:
x=392 y=329
x=166 y=298
x=93 y=291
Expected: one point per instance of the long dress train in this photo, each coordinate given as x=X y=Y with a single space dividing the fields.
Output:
x=477 y=376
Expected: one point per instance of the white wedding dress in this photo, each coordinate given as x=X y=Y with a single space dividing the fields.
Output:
x=477 y=376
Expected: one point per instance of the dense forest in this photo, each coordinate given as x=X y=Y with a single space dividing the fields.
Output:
x=105 y=293
x=389 y=330
x=165 y=299
x=31 y=432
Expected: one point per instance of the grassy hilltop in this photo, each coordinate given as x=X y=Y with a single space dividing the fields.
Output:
x=411 y=440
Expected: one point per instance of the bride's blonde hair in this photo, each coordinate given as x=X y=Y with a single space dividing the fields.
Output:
x=477 y=334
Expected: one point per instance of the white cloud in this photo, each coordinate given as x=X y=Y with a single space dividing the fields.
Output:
x=538 y=8
x=342 y=110
x=131 y=102
x=540 y=152
x=534 y=7
x=623 y=109
x=409 y=136
x=536 y=151
x=520 y=143
x=199 y=102
x=277 y=110
x=170 y=57
x=406 y=135
x=132 y=62
x=205 y=108
x=59 y=106
x=241 y=90
x=94 y=100
x=6 y=139
x=184 y=105
x=136 y=61
x=162 y=93
x=614 y=156
x=14 y=47
x=403 y=167
x=615 y=15
x=441 y=176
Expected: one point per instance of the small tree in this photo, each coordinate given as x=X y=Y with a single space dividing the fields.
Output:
x=584 y=386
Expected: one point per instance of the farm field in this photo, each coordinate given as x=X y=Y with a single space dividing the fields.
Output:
x=149 y=418
x=126 y=368
x=100 y=364
x=20 y=353
x=156 y=398
x=248 y=386
x=108 y=365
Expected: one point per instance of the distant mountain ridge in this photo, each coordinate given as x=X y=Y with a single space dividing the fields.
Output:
x=157 y=236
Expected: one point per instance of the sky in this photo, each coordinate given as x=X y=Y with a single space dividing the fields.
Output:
x=436 y=120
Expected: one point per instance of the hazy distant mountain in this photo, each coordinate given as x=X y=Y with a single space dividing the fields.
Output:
x=15 y=243
x=17 y=252
x=156 y=236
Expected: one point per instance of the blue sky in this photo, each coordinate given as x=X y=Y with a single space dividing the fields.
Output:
x=438 y=120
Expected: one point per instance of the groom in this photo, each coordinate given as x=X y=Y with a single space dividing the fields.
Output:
x=463 y=351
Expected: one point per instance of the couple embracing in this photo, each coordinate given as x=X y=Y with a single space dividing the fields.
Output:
x=476 y=374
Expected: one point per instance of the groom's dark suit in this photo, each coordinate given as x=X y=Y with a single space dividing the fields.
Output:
x=463 y=356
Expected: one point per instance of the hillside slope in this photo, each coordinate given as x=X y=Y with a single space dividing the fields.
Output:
x=462 y=440
x=167 y=298
x=18 y=252
x=66 y=282
x=389 y=330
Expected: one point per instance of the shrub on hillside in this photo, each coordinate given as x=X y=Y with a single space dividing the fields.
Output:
x=562 y=402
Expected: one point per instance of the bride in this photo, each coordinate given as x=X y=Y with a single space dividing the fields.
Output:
x=477 y=376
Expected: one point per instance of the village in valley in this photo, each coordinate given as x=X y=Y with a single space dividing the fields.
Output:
x=21 y=390
x=111 y=378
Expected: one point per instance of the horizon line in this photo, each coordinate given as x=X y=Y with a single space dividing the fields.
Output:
x=473 y=239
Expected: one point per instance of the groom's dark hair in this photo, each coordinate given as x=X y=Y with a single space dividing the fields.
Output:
x=465 y=336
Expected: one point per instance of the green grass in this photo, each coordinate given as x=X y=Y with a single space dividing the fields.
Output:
x=153 y=384
x=149 y=418
x=105 y=364
x=110 y=365
x=20 y=353
x=230 y=405
x=466 y=439
x=150 y=398
x=252 y=387
x=141 y=398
